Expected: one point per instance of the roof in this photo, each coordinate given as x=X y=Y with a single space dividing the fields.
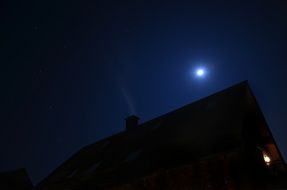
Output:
x=16 y=180
x=207 y=126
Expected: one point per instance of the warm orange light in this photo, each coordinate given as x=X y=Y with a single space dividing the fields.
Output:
x=267 y=159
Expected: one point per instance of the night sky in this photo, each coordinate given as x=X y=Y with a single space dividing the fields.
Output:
x=71 y=71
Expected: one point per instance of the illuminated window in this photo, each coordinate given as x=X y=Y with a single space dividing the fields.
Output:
x=266 y=158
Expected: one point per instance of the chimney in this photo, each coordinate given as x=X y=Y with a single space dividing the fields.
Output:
x=131 y=122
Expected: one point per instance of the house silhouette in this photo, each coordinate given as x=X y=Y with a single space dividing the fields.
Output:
x=221 y=142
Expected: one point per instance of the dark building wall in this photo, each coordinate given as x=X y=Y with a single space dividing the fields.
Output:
x=213 y=172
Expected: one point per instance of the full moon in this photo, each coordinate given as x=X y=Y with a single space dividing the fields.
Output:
x=200 y=72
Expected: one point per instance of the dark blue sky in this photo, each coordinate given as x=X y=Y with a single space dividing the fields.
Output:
x=72 y=70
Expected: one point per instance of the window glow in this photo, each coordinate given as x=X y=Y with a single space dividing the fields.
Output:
x=267 y=159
